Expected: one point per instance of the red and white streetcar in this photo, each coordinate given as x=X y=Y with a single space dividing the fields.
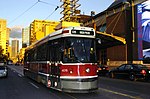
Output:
x=64 y=60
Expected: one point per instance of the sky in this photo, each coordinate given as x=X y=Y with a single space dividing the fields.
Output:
x=20 y=13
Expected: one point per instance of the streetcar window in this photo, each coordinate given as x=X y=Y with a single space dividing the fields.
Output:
x=79 y=50
x=55 y=50
x=41 y=52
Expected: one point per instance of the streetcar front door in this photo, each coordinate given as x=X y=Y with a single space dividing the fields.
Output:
x=55 y=57
x=55 y=74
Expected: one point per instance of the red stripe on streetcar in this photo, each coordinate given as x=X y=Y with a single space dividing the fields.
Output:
x=78 y=70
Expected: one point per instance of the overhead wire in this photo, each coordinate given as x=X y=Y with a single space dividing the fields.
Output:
x=24 y=12
x=47 y=3
x=31 y=8
x=52 y=12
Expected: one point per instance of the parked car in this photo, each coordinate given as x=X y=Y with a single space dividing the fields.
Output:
x=3 y=70
x=131 y=71
x=102 y=70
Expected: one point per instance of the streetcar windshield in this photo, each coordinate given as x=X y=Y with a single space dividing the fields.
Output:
x=79 y=50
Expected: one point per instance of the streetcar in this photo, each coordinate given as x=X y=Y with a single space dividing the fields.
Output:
x=64 y=60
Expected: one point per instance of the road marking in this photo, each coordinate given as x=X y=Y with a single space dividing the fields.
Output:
x=63 y=93
x=19 y=75
x=54 y=94
x=34 y=85
x=118 y=93
x=70 y=95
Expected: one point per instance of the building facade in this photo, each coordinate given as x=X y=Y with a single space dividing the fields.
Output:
x=21 y=55
x=41 y=28
x=15 y=50
x=7 y=42
x=3 y=35
x=117 y=27
x=25 y=37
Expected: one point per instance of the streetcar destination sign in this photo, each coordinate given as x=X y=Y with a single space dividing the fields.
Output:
x=82 y=32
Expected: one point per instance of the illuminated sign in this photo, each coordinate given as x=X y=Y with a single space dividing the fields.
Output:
x=82 y=32
x=143 y=23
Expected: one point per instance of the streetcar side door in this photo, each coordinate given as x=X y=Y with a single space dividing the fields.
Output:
x=55 y=58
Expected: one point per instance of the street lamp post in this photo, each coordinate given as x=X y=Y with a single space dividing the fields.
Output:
x=130 y=30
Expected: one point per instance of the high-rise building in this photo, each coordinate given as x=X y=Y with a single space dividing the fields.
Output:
x=7 y=42
x=25 y=37
x=21 y=55
x=41 y=28
x=3 y=34
x=15 y=48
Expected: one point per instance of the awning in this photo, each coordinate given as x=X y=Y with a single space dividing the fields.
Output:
x=109 y=40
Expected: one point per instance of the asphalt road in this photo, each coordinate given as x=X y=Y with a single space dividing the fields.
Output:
x=18 y=87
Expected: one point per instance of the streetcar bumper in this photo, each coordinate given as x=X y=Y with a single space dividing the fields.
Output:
x=82 y=85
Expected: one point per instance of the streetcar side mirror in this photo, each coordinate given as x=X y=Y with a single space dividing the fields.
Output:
x=98 y=40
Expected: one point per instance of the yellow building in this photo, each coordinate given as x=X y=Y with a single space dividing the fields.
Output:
x=9 y=51
x=41 y=28
x=65 y=24
x=15 y=50
x=21 y=55
x=7 y=42
x=3 y=34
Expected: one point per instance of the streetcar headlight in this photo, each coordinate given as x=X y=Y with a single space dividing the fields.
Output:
x=87 y=70
x=70 y=70
x=97 y=71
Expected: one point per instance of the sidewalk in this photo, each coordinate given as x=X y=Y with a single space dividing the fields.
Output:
x=18 y=69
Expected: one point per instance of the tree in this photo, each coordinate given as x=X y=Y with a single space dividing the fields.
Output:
x=3 y=57
x=1 y=50
x=1 y=53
